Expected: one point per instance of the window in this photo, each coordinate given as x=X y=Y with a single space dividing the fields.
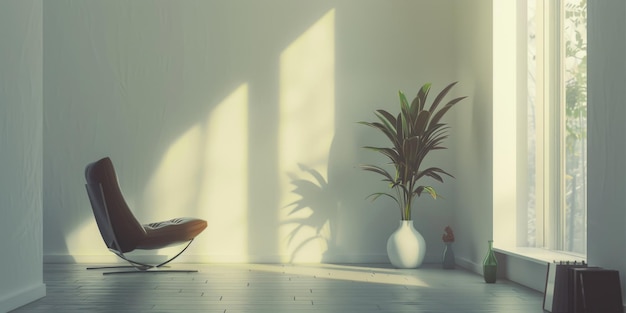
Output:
x=539 y=125
x=556 y=125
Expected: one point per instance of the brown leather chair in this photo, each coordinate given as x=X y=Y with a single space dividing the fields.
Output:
x=120 y=229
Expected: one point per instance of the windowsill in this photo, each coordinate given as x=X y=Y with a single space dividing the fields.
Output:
x=540 y=255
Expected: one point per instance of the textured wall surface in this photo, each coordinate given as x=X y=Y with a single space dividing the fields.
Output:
x=21 y=166
x=606 y=199
x=213 y=108
x=472 y=216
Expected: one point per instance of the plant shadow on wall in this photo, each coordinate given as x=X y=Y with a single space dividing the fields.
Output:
x=313 y=214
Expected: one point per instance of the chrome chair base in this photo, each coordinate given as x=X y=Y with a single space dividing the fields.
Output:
x=139 y=267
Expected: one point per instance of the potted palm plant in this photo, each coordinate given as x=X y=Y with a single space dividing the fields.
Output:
x=413 y=133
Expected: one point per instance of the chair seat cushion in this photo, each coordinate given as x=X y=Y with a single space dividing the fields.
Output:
x=175 y=231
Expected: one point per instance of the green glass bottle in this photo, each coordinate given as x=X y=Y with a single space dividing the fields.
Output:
x=490 y=265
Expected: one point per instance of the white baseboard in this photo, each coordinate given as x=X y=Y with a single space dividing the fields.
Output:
x=22 y=297
x=88 y=259
x=190 y=258
x=469 y=265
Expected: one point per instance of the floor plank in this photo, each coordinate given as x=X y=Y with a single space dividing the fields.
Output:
x=276 y=288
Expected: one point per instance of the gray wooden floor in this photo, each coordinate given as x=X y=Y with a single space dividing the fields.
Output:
x=280 y=288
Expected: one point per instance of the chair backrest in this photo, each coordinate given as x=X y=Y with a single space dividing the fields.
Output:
x=118 y=226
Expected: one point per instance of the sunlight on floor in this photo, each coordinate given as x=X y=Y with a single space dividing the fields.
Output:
x=347 y=273
x=307 y=104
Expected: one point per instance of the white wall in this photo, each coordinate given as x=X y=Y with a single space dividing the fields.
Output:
x=207 y=107
x=606 y=199
x=21 y=279
x=473 y=133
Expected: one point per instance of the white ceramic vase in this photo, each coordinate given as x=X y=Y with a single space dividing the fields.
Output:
x=406 y=246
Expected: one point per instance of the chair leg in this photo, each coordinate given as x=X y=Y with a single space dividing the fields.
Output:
x=108 y=267
x=140 y=267
x=179 y=253
x=150 y=271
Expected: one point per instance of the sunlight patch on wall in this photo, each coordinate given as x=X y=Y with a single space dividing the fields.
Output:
x=169 y=194
x=223 y=199
x=85 y=240
x=204 y=174
x=174 y=187
x=307 y=104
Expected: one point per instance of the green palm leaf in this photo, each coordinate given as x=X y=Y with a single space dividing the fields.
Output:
x=445 y=109
x=413 y=133
x=440 y=97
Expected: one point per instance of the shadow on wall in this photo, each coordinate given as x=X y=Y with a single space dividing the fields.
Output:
x=314 y=215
